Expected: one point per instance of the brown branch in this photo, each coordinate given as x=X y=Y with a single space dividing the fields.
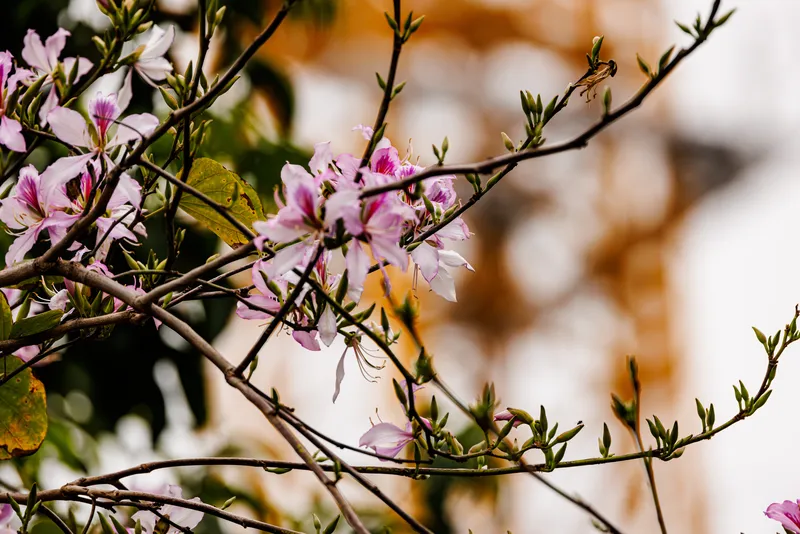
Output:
x=70 y=492
x=56 y=332
x=284 y=309
x=18 y=273
x=79 y=273
x=578 y=142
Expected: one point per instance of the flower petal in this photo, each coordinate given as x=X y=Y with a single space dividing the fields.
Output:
x=327 y=326
x=34 y=52
x=322 y=157
x=308 y=340
x=69 y=126
x=451 y=258
x=134 y=128
x=427 y=259
x=22 y=244
x=339 y=377
x=357 y=262
x=11 y=134
x=444 y=285
x=53 y=47
x=383 y=434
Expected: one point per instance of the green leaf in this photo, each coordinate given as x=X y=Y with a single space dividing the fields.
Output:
x=23 y=413
x=643 y=66
x=331 y=528
x=36 y=324
x=228 y=190
x=5 y=318
x=118 y=526
x=684 y=28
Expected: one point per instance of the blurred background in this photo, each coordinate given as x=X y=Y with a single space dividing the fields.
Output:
x=668 y=238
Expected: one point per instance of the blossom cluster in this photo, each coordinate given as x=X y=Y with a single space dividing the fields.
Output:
x=324 y=208
x=69 y=187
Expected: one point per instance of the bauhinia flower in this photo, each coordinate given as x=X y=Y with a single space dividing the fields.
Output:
x=787 y=513
x=43 y=60
x=183 y=517
x=33 y=206
x=299 y=217
x=387 y=439
x=273 y=293
x=100 y=134
x=433 y=263
x=148 y=58
x=377 y=224
x=10 y=129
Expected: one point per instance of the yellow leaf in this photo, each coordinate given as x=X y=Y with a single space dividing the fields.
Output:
x=228 y=190
x=23 y=412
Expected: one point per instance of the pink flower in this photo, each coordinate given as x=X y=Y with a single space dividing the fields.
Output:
x=183 y=517
x=10 y=129
x=32 y=207
x=787 y=514
x=377 y=223
x=43 y=59
x=300 y=216
x=433 y=264
x=387 y=439
x=150 y=62
x=101 y=133
x=273 y=292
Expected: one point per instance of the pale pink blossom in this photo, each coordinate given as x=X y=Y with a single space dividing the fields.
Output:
x=43 y=60
x=184 y=517
x=433 y=263
x=150 y=62
x=300 y=216
x=273 y=292
x=122 y=207
x=377 y=224
x=387 y=439
x=10 y=129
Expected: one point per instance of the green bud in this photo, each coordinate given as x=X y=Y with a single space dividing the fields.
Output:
x=522 y=415
x=391 y=21
x=606 y=101
x=643 y=66
x=415 y=25
x=507 y=142
x=597 y=43
x=396 y=91
x=569 y=434
x=665 y=58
